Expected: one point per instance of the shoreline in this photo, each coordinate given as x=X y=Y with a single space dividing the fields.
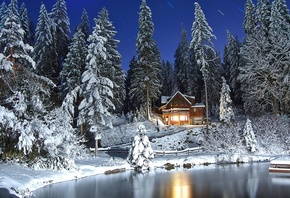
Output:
x=31 y=180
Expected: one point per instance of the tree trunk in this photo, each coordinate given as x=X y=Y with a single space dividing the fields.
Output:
x=206 y=106
x=96 y=147
x=147 y=103
x=82 y=129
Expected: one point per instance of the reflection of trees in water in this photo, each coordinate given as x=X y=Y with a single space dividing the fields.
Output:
x=252 y=183
x=143 y=184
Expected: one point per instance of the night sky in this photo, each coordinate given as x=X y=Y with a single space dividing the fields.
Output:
x=168 y=18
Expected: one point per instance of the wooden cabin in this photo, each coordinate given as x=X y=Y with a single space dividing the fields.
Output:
x=181 y=109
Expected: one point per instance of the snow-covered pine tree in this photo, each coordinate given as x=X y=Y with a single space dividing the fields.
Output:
x=146 y=83
x=249 y=136
x=24 y=22
x=214 y=82
x=199 y=45
x=31 y=33
x=226 y=114
x=249 y=19
x=263 y=13
x=141 y=153
x=97 y=90
x=131 y=103
x=112 y=67
x=85 y=24
x=44 y=49
x=74 y=64
x=12 y=34
x=3 y=12
x=181 y=63
x=234 y=62
x=61 y=28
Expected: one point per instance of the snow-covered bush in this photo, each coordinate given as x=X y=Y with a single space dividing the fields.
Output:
x=225 y=138
x=141 y=153
x=59 y=137
x=272 y=133
x=249 y=136
x=56 y=163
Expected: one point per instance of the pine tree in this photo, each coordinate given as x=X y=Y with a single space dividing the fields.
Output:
x=61 y=31
x=214 y=81
x=263 y=13
x=24 y=22
x=200 y=43
x=167 y=76
x=12 y=40
x=112 y=68
x=146 y=82
x=74 y=64
x=226 y=112
x=141 y=153
x=97 y=90
x=181 y=63
x=3 y=12
x=249 y=136
x=31 y=40
x=44 y=50
x=131 y=103
x=234 y=62
x=249 y=20
x=85 y=24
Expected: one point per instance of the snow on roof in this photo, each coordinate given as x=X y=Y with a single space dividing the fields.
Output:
x=187 y=96
x=184 y=96
x=199 y=105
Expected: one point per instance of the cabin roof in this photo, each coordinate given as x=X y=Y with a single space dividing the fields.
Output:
x=167 y=99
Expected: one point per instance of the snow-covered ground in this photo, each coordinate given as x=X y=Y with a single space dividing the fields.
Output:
x=21 y=180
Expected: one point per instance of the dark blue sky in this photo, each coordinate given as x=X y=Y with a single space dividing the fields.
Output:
x=168 y=17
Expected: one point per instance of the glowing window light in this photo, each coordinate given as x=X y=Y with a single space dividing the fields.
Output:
x=174 y=118
x=183 y=118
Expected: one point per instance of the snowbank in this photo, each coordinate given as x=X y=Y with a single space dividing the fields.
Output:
x=21 y=180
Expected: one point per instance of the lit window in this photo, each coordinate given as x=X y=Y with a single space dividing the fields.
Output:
x=183 y=118
x=174 y=118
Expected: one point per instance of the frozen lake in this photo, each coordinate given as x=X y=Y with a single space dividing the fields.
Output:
x=247 y=180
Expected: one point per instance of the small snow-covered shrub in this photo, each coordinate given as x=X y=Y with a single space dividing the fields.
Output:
x=141 y=153
x=249 y=136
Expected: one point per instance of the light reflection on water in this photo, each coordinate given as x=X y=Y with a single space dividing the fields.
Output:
x=248 y=180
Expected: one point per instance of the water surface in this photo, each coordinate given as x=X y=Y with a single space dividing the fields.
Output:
x=247 y=180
